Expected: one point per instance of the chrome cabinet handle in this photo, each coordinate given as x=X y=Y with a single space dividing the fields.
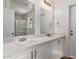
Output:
x=35 y=53
x=32 y=55
x=59 y=41
x=71 y=32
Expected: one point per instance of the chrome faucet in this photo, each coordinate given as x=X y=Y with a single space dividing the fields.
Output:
x=22 y=39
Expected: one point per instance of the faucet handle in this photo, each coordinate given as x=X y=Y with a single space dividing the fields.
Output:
x=13 y=34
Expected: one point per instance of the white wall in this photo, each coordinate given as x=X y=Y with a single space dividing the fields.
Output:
x=61 y=24
x=6 y=3
x=8 y=24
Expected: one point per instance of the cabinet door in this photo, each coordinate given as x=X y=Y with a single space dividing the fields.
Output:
x=43 y=53
x=24 y=55
x=57 y=49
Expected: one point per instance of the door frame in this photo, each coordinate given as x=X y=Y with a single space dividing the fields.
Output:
x=70 y=23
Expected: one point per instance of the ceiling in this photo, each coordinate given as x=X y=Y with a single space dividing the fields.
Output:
x=21 y=7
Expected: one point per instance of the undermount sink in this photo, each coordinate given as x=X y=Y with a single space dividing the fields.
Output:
x=25 y=42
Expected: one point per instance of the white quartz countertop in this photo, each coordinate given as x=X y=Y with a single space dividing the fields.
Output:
x=15 y=46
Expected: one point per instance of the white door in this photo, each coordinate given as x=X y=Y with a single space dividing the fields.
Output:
x=8 y=22
x=72 y=30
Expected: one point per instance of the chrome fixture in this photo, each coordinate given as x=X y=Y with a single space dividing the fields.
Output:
x=48 y=3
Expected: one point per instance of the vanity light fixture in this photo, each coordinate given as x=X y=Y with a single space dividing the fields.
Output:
x=48 y=3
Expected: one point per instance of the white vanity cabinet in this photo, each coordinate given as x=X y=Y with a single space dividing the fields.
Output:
x=53 y=49
x=41 y=51
x=57 y=48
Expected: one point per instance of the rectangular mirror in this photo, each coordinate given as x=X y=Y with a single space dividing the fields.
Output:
x=22 y=17
x=47 y=19
x=24 y=24
x=18 y=18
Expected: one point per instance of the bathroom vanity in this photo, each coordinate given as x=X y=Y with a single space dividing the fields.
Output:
x=24 y=24
x=41 y=47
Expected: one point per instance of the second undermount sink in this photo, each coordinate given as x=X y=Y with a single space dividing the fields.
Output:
x=25 y=41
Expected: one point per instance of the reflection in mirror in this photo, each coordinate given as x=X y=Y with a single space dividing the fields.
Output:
x=46 y=21
x=42 y=21
x=24 y=24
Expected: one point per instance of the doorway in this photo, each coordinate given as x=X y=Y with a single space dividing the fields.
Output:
x=72 y=30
